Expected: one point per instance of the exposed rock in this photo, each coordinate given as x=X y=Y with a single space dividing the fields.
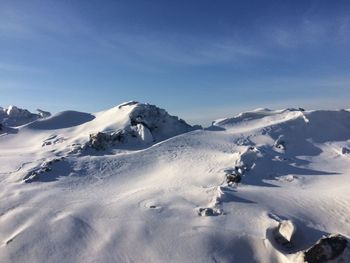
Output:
x=284 y=233
x=326 y=249
x=287 y=229
x=35 y=173
x=280 y=143
x=148 y=124
x=345 y=150
x=158 y=121
x=244 y=163
x=43 y=114
x=100 y=140
x=129 y=103
x=76 y=148
x=247 y=160
x=234 y=176
x=13 y=116
x=209 y=212
x=144 y=133
x=233 y=179
x=14 y=112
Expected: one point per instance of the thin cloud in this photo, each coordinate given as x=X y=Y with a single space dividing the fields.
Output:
x=32 y=21
x=307 y=31
x=10 y=67
x=182 y=49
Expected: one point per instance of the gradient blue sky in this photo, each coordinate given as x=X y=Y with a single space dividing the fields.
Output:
x=200 y=59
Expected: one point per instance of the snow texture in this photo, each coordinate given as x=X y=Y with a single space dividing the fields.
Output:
x=135 y=184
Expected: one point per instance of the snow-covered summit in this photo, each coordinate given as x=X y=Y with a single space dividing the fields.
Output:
x=158 y=121
x=13 y=116
x=135 y=124
x=256 y=114
x=130 y=125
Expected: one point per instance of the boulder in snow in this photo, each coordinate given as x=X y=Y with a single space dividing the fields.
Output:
x=234 y=176
x=101 y=140
x=327 y=249
x=284 y=234
x=287 y=229
x=209 y=212
x=345 y=150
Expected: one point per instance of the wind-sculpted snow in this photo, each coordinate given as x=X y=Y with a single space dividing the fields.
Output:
x=62 y=120
x=265 y=186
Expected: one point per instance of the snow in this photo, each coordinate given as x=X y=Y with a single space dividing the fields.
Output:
x=162 y=196
x=13 y=116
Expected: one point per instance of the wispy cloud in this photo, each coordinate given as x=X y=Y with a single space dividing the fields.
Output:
x=59 y=23
x=196 y=50
x=10 y=67
x=307 y=30
x=181 y=49
x=34 y=21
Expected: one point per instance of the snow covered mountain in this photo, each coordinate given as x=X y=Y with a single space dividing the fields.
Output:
x=13 y=117
x=135 y=184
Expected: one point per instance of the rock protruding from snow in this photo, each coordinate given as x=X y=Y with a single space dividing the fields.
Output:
x=327 y=249
x=247 y=159
x=100 y=140
x=207 y=211
x=144 y=133
x=14 y=116
x=37 y=173
x=147 y=124
x=129 y=103
x=43 y=114
x=287 y=229
x=345 y=150
x=233 y=177
x=280 y=143
x=158 y=121
x=244 y=163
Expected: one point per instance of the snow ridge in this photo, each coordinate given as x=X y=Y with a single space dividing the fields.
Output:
x=135 y=184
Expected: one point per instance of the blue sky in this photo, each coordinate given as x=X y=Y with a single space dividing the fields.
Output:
x=198 y=59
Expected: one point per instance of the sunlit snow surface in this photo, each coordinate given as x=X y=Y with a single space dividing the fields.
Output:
x=139 y=200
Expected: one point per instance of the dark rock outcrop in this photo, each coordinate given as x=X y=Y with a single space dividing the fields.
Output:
x=147 y=125
x=326 y=249
x=100 y=140
x=13 y=116
x=207 y=211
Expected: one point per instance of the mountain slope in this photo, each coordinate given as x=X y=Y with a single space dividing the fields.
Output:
x=13 y=116
x=123 y=203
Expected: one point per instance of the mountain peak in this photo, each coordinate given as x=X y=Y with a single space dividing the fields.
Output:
x=13 y=116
